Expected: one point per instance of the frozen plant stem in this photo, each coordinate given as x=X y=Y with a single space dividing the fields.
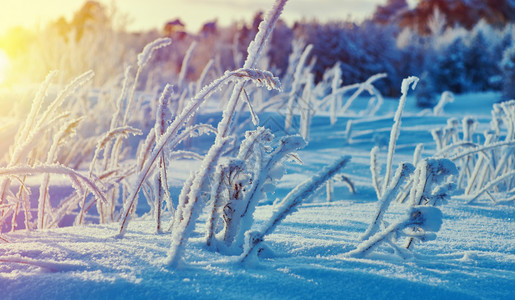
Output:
x=426 y=219
x=289 y=204
x=394 y=134
x=182 y=229
x=172 y=136
x=403 y=173
x=297 y=80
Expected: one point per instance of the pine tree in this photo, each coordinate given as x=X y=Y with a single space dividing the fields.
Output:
x=479 y=63
x=508 y=68
x=460 y=13
x=449 y=70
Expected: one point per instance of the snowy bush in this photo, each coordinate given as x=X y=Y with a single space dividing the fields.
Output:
x=33 y=154
x=288 y=205
x=426 y=185
x=191 y=201
x=483 y=168
x=241 y=183
x=420 y=223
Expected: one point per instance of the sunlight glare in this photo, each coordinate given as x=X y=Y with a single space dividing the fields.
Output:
x=5 y=66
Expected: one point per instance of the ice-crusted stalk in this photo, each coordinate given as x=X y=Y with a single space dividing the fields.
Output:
x=216 y=202
x=34 y=130
x=367 y=86
x=438 y=138
x=172 y=131
x=254 y=116
x=117 y=116
x=264 y=33
x=26 y=209
x=35 y=108
x=22 y=196
x=43 y=201
x=109 y=137
x=375 y=169
x=103 y=144
x=306 y=110
x=243 y=217
x=491 y=184
x=426 y=219
x=297 y=81
x=329 y=190
x=185 y=64
x=452 y=129
x=429 y=187
x=161 y=178
x=403 y=173
x=68 y=204
x=348 y=132
x=143 y=59
x=469 y=125
x=182 y=201
x=289 y=204
x=23 y=150
x=476 y=149
x=428 y=176
x=237 y=200
x=396 y=128
x=56 y=169
x=477 y=168
x=203 y=75
x=417 y=154
x=337 y=79
x=183 y=228
x=67 y=91
x=446 y=97
x=378 y=102
x=188 y=212
x=146 y=168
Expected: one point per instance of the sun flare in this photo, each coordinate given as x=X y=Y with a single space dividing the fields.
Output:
x=5 y=66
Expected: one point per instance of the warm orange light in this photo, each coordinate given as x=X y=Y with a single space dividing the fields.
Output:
x=5 y=66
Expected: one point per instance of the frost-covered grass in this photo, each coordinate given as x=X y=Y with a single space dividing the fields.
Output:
x=198 y=213
x=473 y=258
x=473 y=255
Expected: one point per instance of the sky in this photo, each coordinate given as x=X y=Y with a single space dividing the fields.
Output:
x=150 y=14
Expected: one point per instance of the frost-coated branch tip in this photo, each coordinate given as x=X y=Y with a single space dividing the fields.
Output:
x=264 y=31
x=406 y=82
x=423 y=221
x=260 y=78
x=149 y=49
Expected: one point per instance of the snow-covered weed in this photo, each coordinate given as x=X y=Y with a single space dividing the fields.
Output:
x=242 y=182
x=426 y=185
x=289 y=204
x=189 y=208
x=485 y=168
x=34 y=152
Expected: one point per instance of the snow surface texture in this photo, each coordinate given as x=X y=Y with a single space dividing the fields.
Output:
x=473 y=255
x=306 y=247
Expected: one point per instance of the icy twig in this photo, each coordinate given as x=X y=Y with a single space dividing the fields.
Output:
x=396 y=128
x=404 y=171
x=426 y=219
x=289 y=204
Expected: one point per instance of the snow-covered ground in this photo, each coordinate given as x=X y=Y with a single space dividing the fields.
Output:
x=473 y=256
